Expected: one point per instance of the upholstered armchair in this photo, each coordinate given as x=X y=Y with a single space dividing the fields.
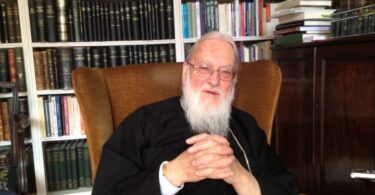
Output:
x=106 y=96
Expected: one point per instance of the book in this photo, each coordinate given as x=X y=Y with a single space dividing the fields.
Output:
x=296 y=38
x=4 y=70
x=32 y=16
x=72 y=156
x=65 y=67
x=3 y=24
x=87 y=166
x=295 y=3
x=50 y=167
x=10 y=23
x=306 y=29
x=40 y=10
x=303 y=23
x=306 y=15
x=363 y=174
x=21 y=78
x=62 y=163
x=50 y=17
x=1 y=127
x=62 y=20
x=16 y=21
x=12 y=66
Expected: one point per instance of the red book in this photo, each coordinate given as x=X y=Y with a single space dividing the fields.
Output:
x=66 y=115
x=12 y=65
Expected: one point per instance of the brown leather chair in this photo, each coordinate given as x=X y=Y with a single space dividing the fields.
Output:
x=106 y=96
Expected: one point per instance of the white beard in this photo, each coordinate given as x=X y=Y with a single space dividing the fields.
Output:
x=204 y=118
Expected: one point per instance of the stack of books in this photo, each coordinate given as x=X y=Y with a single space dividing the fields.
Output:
x=302 y=21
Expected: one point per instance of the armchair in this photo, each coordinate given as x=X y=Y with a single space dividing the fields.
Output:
x=106 y=96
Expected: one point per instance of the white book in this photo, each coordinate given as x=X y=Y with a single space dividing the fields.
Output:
x=363 y=174
x=308 y=15
x=294 y=10
x=41 y=119
x=295 y=3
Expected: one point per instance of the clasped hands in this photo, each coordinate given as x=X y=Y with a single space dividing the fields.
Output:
x=209 y=156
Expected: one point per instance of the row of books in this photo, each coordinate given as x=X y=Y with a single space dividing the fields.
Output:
x=6 y=117
x=10 y=31
x=88 y=20
x=12 y=68
x=53 y=67
x=253 y=52
x=354 y=22
x=244 y=18
x=5 y=160
x=60 y=116
x=68 y=165
x=302 y=21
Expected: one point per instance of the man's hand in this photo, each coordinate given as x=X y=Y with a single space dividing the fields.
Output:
x=209 y=155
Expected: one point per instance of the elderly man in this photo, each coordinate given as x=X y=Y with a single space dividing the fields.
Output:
x=196 y=144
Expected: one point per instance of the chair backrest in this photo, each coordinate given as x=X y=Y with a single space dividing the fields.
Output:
x=106 y=96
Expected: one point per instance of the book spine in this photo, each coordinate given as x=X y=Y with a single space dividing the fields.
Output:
x=3 y=23
x=1 y=127
x=78 y=57
x=12 y=65
x=76 y=19
x=50 y=168
x=87 y=167
x=51 y=20
x=10 y=23
x=62 y=21
x=65 y=67
x=112 y=21
x=112 y=56
x=170 y=20
x=142 y=29
x=81 y=164
x=59 y=116
x=47 y=117
x=5 y=114
x=62 y=166
x=64 y=102
x=4 y=70
x=162 y=19
x=135 y=20
x=128 y=21
x=16 y=20
x=21 y=79
x=39 y=6
x=96 y=58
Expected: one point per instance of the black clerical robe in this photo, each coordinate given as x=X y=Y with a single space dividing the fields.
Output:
x=157 y=132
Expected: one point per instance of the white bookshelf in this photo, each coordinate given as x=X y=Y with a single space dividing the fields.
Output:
x=37 y=139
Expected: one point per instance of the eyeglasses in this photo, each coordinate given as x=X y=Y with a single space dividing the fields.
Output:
x=226 y=73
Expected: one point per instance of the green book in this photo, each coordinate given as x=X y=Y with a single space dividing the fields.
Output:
x=50 y=167
x=21 y=78
x=69 y=175
x=4 y=72
x=73 y=163
x=56 y=166
x=63 y=166
x=87 y=165
x=81 y=164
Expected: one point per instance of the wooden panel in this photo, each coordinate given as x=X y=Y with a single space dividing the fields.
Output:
x=294 y=117
x=346 y=116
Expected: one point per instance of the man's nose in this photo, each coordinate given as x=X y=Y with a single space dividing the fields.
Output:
x=214 y=78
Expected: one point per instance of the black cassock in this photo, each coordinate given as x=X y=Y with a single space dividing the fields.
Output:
x=157 y=132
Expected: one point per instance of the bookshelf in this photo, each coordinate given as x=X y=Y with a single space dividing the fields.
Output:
x=38 y=140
